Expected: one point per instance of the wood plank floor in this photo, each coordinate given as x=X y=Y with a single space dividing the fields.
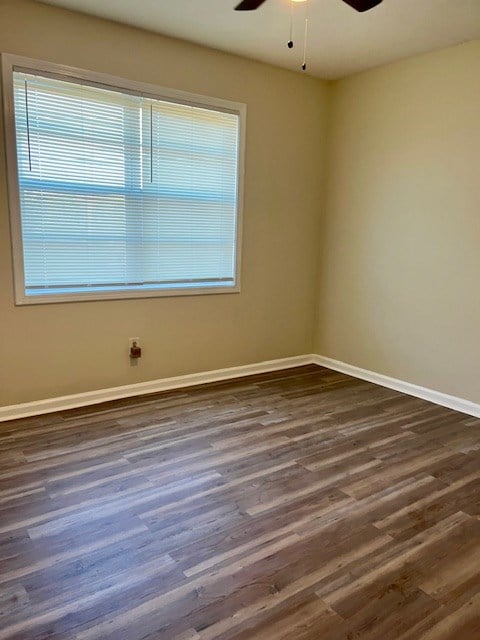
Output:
x=301 y=505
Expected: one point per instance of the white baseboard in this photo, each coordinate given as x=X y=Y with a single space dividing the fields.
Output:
x=442 y=399
x=62 y=403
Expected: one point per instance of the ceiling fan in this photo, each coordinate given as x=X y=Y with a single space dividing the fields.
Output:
x=359 y=5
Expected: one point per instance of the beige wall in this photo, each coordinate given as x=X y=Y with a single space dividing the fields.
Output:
x=52 y=350
x=400 y=270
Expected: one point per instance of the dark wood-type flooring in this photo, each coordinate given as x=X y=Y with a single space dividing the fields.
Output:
x=299 y=505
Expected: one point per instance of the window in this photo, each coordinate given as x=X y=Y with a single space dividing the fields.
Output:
x=119 y=189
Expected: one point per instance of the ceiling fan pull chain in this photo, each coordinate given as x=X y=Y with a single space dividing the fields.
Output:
x=305 y=43
x=290 y=42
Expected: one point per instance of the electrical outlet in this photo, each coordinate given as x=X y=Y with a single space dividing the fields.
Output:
x=135 y=351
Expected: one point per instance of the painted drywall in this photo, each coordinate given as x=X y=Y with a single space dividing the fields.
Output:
x=400 y=265
x=51 y=350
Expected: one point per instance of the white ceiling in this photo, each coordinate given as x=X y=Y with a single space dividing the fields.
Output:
x=341 y=40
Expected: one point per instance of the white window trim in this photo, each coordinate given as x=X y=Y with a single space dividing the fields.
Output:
x=11 y=63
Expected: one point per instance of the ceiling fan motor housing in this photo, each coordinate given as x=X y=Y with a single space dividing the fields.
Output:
x=359 y=5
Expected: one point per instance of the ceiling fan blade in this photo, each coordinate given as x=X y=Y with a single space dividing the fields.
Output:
x=363 y=5
x=249 y=5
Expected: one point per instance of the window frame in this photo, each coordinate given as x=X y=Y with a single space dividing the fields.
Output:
x=11 y=63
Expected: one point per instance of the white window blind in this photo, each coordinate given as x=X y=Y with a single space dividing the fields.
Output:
x=120 y=192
